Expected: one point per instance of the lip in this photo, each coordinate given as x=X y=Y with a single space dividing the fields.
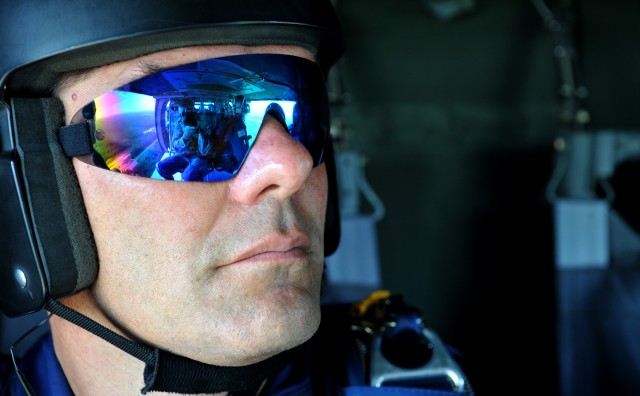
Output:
x=276 y=248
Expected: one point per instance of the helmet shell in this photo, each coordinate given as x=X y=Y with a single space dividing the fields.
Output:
x=42 y=39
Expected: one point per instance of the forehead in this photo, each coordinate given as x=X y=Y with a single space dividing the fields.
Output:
x=97 y=81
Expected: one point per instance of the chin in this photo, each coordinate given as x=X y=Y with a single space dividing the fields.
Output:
x=251 y=340
x=282 y=326
x=272 y=320
x=293 y=313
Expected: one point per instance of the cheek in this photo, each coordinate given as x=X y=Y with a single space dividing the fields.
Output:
x=315 y=192
x=141 y=221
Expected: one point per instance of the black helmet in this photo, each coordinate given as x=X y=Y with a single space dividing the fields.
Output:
x=41 y=41
x=47 y=248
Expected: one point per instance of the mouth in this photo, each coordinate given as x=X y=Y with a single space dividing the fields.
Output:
x=277 y=249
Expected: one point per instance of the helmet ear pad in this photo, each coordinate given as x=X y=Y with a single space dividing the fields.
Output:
x=57 y=228
x=77 y=229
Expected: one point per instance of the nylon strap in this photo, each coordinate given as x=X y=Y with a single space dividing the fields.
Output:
x=75 y=139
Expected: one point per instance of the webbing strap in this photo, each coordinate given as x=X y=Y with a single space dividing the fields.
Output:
x=75 y=139
x=136 y=350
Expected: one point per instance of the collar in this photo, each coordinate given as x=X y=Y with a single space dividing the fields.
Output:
x=43 y=370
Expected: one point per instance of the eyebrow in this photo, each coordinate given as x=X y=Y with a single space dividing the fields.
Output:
x=146 y=68
x=69 y=78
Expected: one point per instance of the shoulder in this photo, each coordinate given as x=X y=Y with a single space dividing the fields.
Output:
x=5 y=364
x=334 y=358
x=7 y=375
x=40 y=371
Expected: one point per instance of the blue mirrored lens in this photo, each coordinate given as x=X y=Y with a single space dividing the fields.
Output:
x=198 y=122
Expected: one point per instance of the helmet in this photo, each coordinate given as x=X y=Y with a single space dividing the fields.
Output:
x=48 y=250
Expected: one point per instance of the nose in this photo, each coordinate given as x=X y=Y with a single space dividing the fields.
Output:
x=277 y=166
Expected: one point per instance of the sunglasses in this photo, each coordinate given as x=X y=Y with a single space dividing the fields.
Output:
x=198 y=122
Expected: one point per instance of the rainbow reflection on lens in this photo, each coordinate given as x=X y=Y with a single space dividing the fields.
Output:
x=126 y=133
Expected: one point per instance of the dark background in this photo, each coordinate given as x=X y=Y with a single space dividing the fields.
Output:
x=457 y=121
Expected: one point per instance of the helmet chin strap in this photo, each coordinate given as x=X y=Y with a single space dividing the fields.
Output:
x=167 y=372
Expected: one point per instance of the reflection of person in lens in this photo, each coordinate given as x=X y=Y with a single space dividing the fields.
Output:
x=227 y=145
x=192 y=146
x=184 y=144
x=200 y=164
x=296 y=126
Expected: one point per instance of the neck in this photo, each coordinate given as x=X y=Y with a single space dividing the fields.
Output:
x=92 y=365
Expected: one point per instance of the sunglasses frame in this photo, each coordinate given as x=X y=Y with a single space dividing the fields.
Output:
x=197 y=101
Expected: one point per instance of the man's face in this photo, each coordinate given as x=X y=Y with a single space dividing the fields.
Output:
x=226 y=273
